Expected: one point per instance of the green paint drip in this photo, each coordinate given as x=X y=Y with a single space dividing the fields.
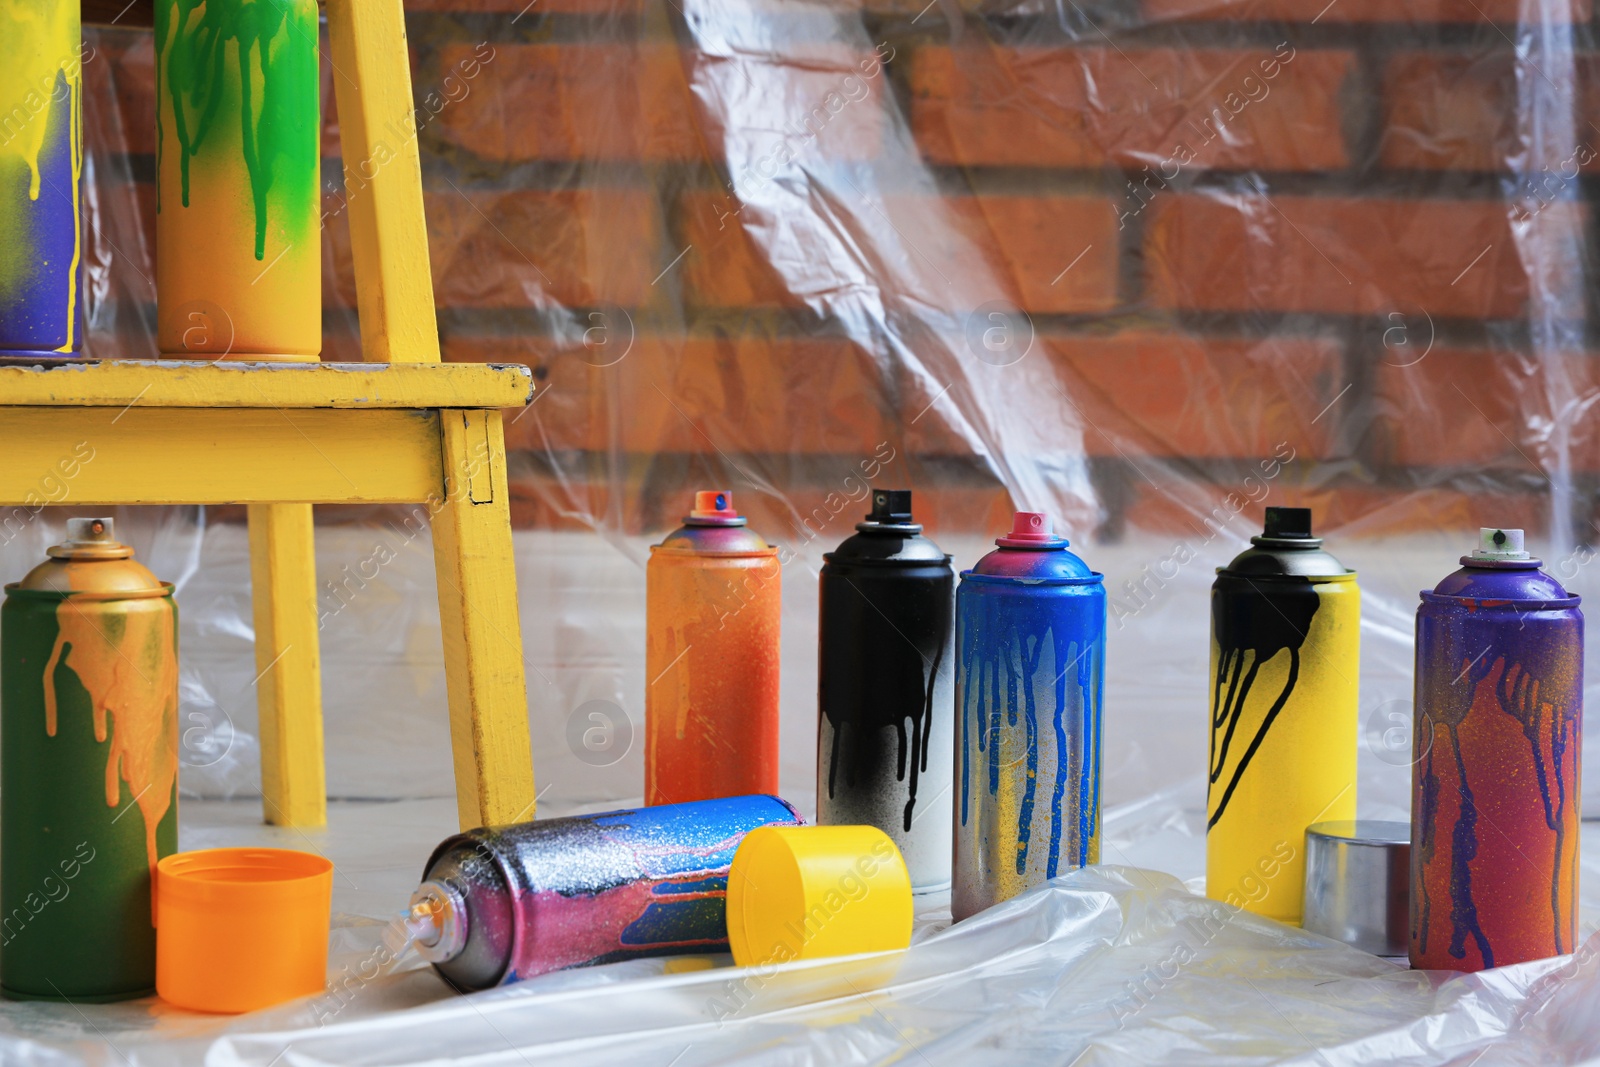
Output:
x=259 y=56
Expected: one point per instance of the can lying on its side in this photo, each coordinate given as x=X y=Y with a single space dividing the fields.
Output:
x=503 y=904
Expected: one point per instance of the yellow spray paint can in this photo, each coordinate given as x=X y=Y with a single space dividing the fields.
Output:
x=1285 y=652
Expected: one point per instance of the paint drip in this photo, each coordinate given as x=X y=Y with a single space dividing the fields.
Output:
x=885 y=679
x=41 y=168
x=1495 y=783
x=1030 y=671
x=1285 y=633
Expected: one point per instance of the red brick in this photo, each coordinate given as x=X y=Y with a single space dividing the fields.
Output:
x=1465 y=408
x=1084 y=107
x=1183 y=397
x=732 y=395
x=1162 y=395
x=604 y=8
x=575 y=101
x=1456 y=112
x=1322 y=11
x=119 y=93
x=523 y=248
x=623 y=102
x=1343 y=512
x=1445 y=258
x=1012 y=248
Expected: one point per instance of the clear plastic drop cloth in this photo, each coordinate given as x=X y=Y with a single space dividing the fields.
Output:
x=1148 y=266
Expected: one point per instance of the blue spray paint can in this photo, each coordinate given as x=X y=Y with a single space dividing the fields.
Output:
x=1030 y=673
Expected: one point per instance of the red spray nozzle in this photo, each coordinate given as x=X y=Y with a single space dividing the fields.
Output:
x=1031 y=529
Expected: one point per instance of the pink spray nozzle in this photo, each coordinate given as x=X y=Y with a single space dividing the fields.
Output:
x=714 y=507
x=1031 y=529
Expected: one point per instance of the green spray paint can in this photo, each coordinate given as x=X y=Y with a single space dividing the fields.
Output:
x=88 y=769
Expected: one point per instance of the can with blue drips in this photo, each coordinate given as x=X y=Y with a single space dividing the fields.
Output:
x=1030 y=676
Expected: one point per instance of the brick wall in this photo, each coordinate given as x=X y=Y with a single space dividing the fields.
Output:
x=1233 y=225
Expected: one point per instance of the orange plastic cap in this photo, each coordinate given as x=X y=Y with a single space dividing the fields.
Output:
x=241 y=928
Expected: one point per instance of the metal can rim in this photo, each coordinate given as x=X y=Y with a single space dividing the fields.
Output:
x=15 y=589
x=1573 y=601
x=1095 y=578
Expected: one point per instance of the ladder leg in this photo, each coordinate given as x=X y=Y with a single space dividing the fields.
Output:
x=482 y=635
x=283 y=577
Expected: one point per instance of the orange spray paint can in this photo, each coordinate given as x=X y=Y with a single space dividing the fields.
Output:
x=713 y=600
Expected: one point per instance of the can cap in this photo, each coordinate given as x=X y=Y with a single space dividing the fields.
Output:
x=93 y=564
x=714 y=527
x=241 y=928
x=1358 y=884
x=1287 y=548
x=1500 y=544
x=809 y=892
x=889 y=535
x=1031 y=529
x=714 y=507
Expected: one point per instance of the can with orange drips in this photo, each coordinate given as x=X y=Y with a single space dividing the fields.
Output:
x=88 y=769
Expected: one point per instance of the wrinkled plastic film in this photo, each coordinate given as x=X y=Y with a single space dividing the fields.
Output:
x=952 y=250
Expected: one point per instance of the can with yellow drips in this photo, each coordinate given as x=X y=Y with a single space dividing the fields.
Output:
x=88 y=769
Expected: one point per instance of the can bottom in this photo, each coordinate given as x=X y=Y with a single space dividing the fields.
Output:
x=36 y=355
x=78 y=998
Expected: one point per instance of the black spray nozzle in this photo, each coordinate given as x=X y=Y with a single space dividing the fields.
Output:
x=890 y=506
x=1288 y=524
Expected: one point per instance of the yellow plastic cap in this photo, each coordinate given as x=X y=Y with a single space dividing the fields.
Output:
x=808 y=892
x=241 y=928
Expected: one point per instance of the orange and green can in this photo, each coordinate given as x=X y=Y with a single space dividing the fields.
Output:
x=88 y=770
x=238 y=227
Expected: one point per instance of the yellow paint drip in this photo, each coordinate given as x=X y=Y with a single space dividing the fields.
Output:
x=42 y=43
x=125 y=655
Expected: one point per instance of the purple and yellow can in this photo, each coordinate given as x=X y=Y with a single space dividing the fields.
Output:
x=41 y=167
x=504 y=904
x=1495 y=782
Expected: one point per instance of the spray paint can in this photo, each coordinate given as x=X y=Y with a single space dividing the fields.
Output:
x=1495 y=776
x=238 y=170
x=88 y=769
x=713 y=598
x=1285 y=660
x=1030 y=675
x=41 y=167
x=885 y=688
x=502 y=905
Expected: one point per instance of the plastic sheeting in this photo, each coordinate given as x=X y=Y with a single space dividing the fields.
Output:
x=1148 y=267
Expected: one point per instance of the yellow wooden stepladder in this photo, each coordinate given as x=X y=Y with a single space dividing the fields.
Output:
x=399 y=427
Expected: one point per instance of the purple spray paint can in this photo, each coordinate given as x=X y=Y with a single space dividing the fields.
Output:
x=1494 y=785
x=499 y=905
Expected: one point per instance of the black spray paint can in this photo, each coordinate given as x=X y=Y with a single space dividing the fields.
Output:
x=885 y=739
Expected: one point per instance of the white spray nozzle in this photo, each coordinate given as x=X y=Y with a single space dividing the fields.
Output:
x=1496 y=543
